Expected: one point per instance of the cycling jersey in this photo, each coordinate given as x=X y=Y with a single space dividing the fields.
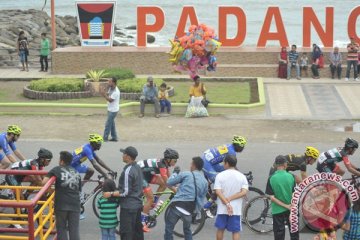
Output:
x=328 y=160
x=294 y=163
x=29 y=164
x=152 y=167
x=5 y=144
x=82 y=154
x=217 y=155
x=213 y=158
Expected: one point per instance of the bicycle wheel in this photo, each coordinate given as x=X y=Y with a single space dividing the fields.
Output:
x=197 y=223
x=96 y=197
x=252 y=193
x=258 y=215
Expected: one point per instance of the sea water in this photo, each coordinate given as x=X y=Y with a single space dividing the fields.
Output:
x=207 y=12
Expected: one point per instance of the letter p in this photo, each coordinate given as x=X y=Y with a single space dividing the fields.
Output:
x=143 y=28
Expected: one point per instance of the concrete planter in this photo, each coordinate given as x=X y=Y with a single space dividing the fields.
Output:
x=54 y=95
x=95 y=87
x=136 y=96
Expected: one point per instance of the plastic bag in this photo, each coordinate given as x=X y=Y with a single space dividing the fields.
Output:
x=196 y=108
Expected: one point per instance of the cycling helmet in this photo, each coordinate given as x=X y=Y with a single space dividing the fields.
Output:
x=95 y=138
x=312 y=152
x=171 y=154
x=44 y=153
x=351 y=143
x=14 y=129
x=239 y=140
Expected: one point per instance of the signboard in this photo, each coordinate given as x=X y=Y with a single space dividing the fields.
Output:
x=96 y=23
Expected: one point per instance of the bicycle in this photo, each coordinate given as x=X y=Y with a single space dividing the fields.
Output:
x=257 y=214
x=96 y=193
x=253 y=192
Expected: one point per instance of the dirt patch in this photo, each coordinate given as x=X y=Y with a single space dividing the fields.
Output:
x=179 y=129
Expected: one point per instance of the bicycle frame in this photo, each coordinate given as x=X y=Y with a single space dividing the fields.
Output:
x=165 y=204
x=92 y=193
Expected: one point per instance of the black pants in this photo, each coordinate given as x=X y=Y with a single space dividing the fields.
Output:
x=279 y=221
x=334 y=68
x=67 y=225
x=130 y=224
x=44 y=59
x=315 y=70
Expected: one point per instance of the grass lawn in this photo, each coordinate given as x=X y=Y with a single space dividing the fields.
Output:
x=218 y=92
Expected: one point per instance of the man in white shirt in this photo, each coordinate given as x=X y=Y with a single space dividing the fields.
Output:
x=112 y=96
x=230 y=186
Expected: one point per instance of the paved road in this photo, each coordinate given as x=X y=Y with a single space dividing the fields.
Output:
x=257 y=157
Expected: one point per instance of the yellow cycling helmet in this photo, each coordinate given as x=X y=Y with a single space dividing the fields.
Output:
x=95 y=138
x=239 y=140
x=312 y=152
x=15 y=129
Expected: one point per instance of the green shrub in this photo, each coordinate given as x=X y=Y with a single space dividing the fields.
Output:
x=57 y=85
x=135 y=85
x=119 y=73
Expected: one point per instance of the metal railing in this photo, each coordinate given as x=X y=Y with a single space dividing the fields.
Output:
x=43 y=216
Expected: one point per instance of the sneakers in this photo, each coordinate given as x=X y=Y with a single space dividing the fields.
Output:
x=346 y=79
x=83 y=197
x=144 y=220
x=82 y=216
x=145 y=228
x=17 y=226
x=208 y=213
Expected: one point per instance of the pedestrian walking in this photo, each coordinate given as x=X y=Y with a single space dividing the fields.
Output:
x=130 y=193
x=44 y=52
x=230 y=186
x=190 y=196
x=108 y=220
x=112 y=96
x=67 y=198
x=280 y=188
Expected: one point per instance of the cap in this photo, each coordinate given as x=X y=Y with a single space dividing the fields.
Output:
x=131 y=151
x=150 y=79
x=280 y=160
x=196 y=77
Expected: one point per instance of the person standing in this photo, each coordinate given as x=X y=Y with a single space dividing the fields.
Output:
x=190 y=196
x=150 y=95
x=22 y=48
x=335 y=63
x=293 y=61
x=44 y=52
x=352 y=59
x=130 y=193
x=67 y=197
x=280 y=187
x=230 y=187
x=112 y=96
x=316 y=62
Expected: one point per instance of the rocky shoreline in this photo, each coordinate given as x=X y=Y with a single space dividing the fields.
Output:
x=34 y=22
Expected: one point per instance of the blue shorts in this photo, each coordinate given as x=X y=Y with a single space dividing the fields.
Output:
x=81 y=168
x=230 y=223
x=1 y=156
x=22 y=56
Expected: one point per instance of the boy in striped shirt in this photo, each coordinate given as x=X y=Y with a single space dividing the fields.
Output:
x=108 y=220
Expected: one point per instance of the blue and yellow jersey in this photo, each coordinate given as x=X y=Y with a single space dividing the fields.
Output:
x=216 y=155
x=5 y=146
x=82 y=154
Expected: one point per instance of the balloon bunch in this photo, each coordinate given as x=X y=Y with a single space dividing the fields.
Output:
x=195 y=51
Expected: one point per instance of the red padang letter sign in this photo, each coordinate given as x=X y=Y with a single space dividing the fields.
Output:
x=188 y=11
x=143 y=28
x=309 y=17
x=355 y=13
x=239 y=38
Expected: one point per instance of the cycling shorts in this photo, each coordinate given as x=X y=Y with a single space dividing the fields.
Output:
x=149 y=178
x=81 y=168
x=2 y=156
x=328 y=167
x=211 y=171
x=12 y=181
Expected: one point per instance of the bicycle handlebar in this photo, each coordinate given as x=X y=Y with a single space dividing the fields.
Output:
x=112 y=174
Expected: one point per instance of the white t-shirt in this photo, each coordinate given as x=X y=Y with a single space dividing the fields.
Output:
x=230 y=182
x=114 y=105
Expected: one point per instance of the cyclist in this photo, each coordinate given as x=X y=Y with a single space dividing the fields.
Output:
x=7 y=141
x=299 y=162
x=43 y=160
x=214 y=157
x=156 y=171
x=328 y=161
x=213 y=163
x=87 y=152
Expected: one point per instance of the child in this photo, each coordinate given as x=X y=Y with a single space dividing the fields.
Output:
x=351 y=223
x=304 y=62
x=44 y=52
x=163 y=98
x=108 y=220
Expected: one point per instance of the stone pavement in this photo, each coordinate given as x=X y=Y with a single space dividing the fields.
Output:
x=324 y=99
